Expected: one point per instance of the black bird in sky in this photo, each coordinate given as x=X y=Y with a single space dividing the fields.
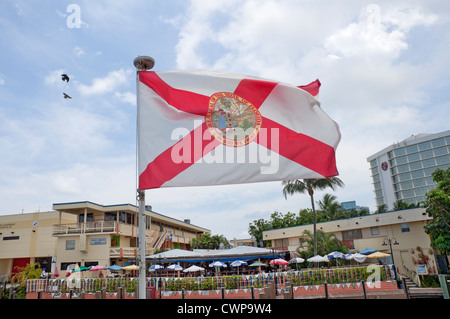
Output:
x=64 y=77
x=66 y=96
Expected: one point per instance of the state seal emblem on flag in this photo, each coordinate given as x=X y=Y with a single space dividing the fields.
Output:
x=232 y=120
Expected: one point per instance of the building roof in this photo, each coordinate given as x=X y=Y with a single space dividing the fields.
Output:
x=358 y=222
x=77 y=207
x=224 y=255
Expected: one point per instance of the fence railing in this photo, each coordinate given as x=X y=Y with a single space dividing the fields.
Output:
x=296 y=278
x=412 y=275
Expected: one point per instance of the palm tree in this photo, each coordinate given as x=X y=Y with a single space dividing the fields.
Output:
x=310 y=185
x=326 y=243
x=330 y=206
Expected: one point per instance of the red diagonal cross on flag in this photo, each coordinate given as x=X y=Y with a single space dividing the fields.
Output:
x=189 y=122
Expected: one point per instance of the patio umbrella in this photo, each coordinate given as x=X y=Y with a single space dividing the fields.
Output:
x=336 y=255
x=114 y=268
x=217 y=264
x=348 y=256
x=193 y=268
x=81 y=269
x=296 y=260
x=279 y=261
x=238 y=263
x=97 y=267
x=359 y=257
x=318 y=259
x=368 y=251
x=175 y=267
x=155 y=267
x=257 y=264
x=378 y=254
x=131 y=267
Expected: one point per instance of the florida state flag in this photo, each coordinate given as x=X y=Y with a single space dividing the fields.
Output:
x=207 y=128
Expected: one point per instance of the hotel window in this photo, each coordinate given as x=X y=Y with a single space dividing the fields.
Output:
x=411 y=149
x=441 y=151
x=438 y=142
x=429 y=162
x=110 y=216
x=374 y=231
x=70 y=244
x=415 y=165
x=405 y=228
x=399 y=151
x=122 y=217
x=425 y=146
x=89 y=218
x=413 y=157
x=352 y=234
x=427 y=154
x=401 y=160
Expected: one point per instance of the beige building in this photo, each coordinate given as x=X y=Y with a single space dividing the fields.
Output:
x=88 y=234
x=374 y=231
x=27 y=238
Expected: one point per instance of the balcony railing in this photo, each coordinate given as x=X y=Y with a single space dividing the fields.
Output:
x=82 y=228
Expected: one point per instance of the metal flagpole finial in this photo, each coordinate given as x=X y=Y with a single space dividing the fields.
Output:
x=144 y=63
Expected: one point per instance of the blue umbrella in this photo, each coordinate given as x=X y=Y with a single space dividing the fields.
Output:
x=175 y=267
x=335 y=255
x=368 y=251
x=217 y=264
x=238 y=263
x=155 y=267
x=114 y=267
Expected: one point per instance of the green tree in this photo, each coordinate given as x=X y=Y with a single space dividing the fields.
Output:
x=331 y=207
x=399 y=205
x=326 y=243
x=437 y=206
x=381 y=209
x=256 y=229
x=309 y=186
x=208 y=241
x=30 y=271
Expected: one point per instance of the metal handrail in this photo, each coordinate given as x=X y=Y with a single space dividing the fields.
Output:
x=411 y=274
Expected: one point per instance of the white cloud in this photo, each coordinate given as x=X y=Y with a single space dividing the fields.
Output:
x=78 y=51
x=54 y=77
x=2 y=80
x=112 y=81
x=127 y=97
x=377 y=33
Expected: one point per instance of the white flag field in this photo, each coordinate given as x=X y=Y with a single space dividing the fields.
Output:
x=202 y=127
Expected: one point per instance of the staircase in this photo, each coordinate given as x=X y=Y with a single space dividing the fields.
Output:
x=409 y=283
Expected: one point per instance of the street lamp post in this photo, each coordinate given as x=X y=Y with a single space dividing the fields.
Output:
x=385 y=242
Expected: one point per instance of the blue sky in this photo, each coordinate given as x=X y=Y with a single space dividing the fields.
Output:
x=383 y=65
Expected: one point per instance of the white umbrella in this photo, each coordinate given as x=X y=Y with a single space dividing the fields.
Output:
x=238 y=263
x=175 y=267
x=193 y=268
x=296 y=260
x=318 y=259
x=348 y=256
x=359 y=257
x=217 y=264
x=336 y=255
x=155 y=267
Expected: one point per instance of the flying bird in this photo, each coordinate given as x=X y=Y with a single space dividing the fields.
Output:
x=64 y=77
x=66 y=96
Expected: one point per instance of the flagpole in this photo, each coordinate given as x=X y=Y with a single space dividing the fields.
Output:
x=142 y=63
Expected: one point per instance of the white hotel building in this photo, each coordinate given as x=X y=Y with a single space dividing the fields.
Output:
x=403 y=170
